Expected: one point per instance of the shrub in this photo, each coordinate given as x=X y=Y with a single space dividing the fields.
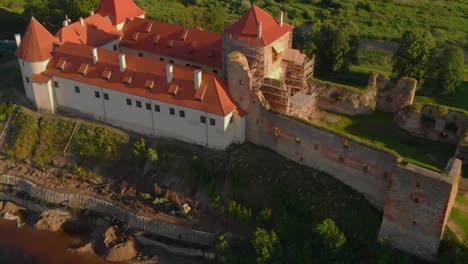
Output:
x=264 y=216
x=239 y=212
x=266 y=245
x=81 y=173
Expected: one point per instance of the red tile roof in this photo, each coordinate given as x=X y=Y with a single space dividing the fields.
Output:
x=119 y=10
x=246 y=28
x=37 y=43
x=195 y=45
x=97 y=31
x=216 y=99
x=39 y=78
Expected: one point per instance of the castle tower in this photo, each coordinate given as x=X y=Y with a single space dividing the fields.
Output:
x=261 y=38
x=119 y=11
x=34 y=53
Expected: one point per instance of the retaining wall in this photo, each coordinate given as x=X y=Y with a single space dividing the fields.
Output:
x=111 y=209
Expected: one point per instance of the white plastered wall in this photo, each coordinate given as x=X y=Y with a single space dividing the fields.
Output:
x=28 y=69
x=44 y=97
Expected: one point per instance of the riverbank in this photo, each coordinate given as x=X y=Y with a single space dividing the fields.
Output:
x=70 y=237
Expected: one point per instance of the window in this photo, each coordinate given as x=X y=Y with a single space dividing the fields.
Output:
x=161 y=59
x=106 y=96
x=129 y=101
x=212 y=122
x=138 y=104
x=203 y=119
x=157 y=108
x=56 y=85
x=115 y=47
x=77 y=89
x=171 y=61
x=140 y=54
x=215 y=71
x=27 y=79
x=187 y=65
x=230 y=119
x=148 y=106
x=22 y=63
x=97 y=94
x=171 y=111
x=181 y=113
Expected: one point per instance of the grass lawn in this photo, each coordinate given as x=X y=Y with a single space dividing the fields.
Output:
x=378 y=128
x=462 y=199
x=460 y=217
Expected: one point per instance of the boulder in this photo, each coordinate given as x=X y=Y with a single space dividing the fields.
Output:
x=122 y=252
x=53 y=219
x=9 y=207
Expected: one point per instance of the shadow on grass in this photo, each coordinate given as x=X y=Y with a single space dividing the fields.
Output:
x=357 y=79
x=380 y=129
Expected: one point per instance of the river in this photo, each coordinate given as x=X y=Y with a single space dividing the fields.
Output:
x=27 y=245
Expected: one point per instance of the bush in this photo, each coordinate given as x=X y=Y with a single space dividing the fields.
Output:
x=81 y=173
x=239 y=212
x=266 y=245
x=264 y=216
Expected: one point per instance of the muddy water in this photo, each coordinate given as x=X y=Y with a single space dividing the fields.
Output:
x=27 y=245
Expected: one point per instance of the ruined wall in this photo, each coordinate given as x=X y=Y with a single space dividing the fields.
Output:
x=375 y=172
x=338 y=99
x=392 y=97
x=417 y=206
x=433 y=122
x=111 y=209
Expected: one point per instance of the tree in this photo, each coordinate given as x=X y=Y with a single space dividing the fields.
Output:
x=266 y=245
x=451 y=70
x=413 y=56
x=336 y=47
x=79 y=8
x=330 y=235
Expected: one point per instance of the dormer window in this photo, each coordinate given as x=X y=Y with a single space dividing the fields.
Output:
x=61 y=63
x=149 y=84
x=83 y=69
x=135 y=36
x=156 y=39
x=211 y=54
x=184 y=34
x=106 y=74
x=127 y=79
x=148 y=27
x=170 y=43
x=194 y=46
x=173 y=88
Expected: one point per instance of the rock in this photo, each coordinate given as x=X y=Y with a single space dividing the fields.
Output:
x=122 y=252
x=10 y=207
x=52 y=220
x=88 y=248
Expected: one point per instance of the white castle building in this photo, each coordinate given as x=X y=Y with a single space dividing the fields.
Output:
x=147 y=76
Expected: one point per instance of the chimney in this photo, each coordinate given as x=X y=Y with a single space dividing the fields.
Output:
x=169 y=72
x=65 y=23
x=281 y=20
x=259 y=30
x=92 y=13
x=82 y=21
x=18 y=40
x=123 y=62
x=197 y=77
x=95 y=56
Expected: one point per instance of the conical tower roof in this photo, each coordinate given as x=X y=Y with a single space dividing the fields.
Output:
x=119 y=10
x=246 y=28
x=37 y=43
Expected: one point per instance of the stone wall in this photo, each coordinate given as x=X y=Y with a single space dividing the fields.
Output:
x=338 y=99
x=391 y=97
x=375 y=172
x=430 y=122
x=110 y=209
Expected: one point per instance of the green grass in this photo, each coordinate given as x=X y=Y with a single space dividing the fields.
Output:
x=462 y=199
x=22 y=134
x=458 y=100
x=460 y=217
x=53 y=136
x=379 y=129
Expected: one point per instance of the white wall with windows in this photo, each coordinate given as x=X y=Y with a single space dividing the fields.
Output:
x=148 y=116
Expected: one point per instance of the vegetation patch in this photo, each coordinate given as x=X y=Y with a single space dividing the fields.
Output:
x=352 y=89
x=97 y=142
x=22 y=134
x=54 y=134
x=460 y=217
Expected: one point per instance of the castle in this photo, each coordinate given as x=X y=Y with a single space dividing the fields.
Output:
x=247 y=84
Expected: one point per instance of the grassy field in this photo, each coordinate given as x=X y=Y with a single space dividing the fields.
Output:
x=378 y=128
x=460 y=217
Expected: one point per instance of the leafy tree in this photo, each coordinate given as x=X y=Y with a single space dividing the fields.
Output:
x=266 y=245
x=139 y=150
x=79 y=8
x=336 y=47
x=330 y=235
x=413 y=56
x=451 y=70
